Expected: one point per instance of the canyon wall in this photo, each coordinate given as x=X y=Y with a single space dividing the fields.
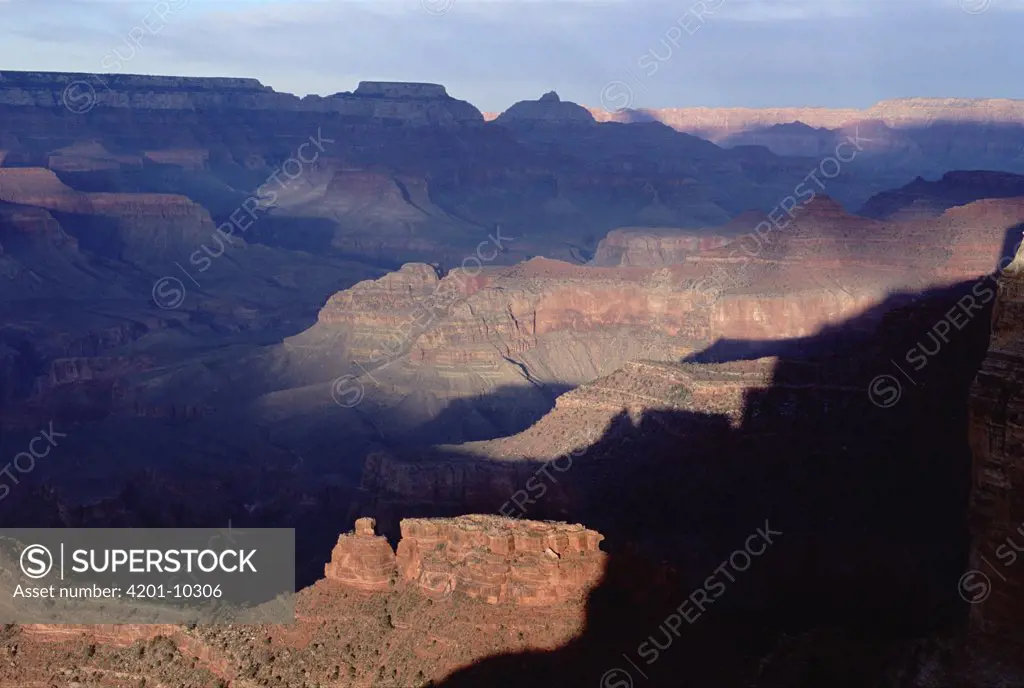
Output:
x=410 y=103
x=117 y=225
x=995 y=585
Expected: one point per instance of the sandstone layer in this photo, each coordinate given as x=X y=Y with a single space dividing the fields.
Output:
x=500 y=561
x=491 y=559
x=362 y=560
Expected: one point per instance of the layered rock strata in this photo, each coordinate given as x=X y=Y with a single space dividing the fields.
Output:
x=491 y=559
x=343 y=635
x=410 y=103
x=996 y=584
x=362 y=560
x=124 y=225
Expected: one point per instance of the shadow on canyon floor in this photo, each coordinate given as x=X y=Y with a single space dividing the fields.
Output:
x=841 y=498
x=192 y=468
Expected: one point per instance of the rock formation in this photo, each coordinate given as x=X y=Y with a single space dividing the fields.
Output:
x=410 y=103
x=130 y=226
x=362 y=560
x=492 y=559
x=994 y=585
x=469 y=586
x=500 y=560
x=490 y=349
x=549 y=109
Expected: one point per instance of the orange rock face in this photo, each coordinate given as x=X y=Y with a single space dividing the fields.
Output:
x=488 y=558
x=500 y=560
x=362 y=560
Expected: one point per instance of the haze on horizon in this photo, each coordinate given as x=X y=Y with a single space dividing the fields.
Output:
x=716 y=53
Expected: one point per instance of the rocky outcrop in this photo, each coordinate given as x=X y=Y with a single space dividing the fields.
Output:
x=488 y=558
x=389 y=296
x=362 y=560
x=472 y=586
x=500 y=560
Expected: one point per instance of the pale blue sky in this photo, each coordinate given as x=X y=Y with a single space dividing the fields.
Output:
x=495 y=52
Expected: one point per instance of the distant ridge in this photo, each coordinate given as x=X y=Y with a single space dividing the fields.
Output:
x=719 y=123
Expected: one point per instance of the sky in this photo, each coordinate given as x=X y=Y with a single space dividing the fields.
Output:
x=615 y=53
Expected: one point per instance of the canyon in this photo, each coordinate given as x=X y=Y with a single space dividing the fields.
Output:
x=521 y=383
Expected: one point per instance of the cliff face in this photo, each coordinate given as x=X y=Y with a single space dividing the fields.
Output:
x=410 y=103
x=114 y=225
x=491 y=559
x=507 y=340
x=996 y=585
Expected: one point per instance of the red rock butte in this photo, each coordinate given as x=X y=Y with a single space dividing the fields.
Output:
x=492 y=559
